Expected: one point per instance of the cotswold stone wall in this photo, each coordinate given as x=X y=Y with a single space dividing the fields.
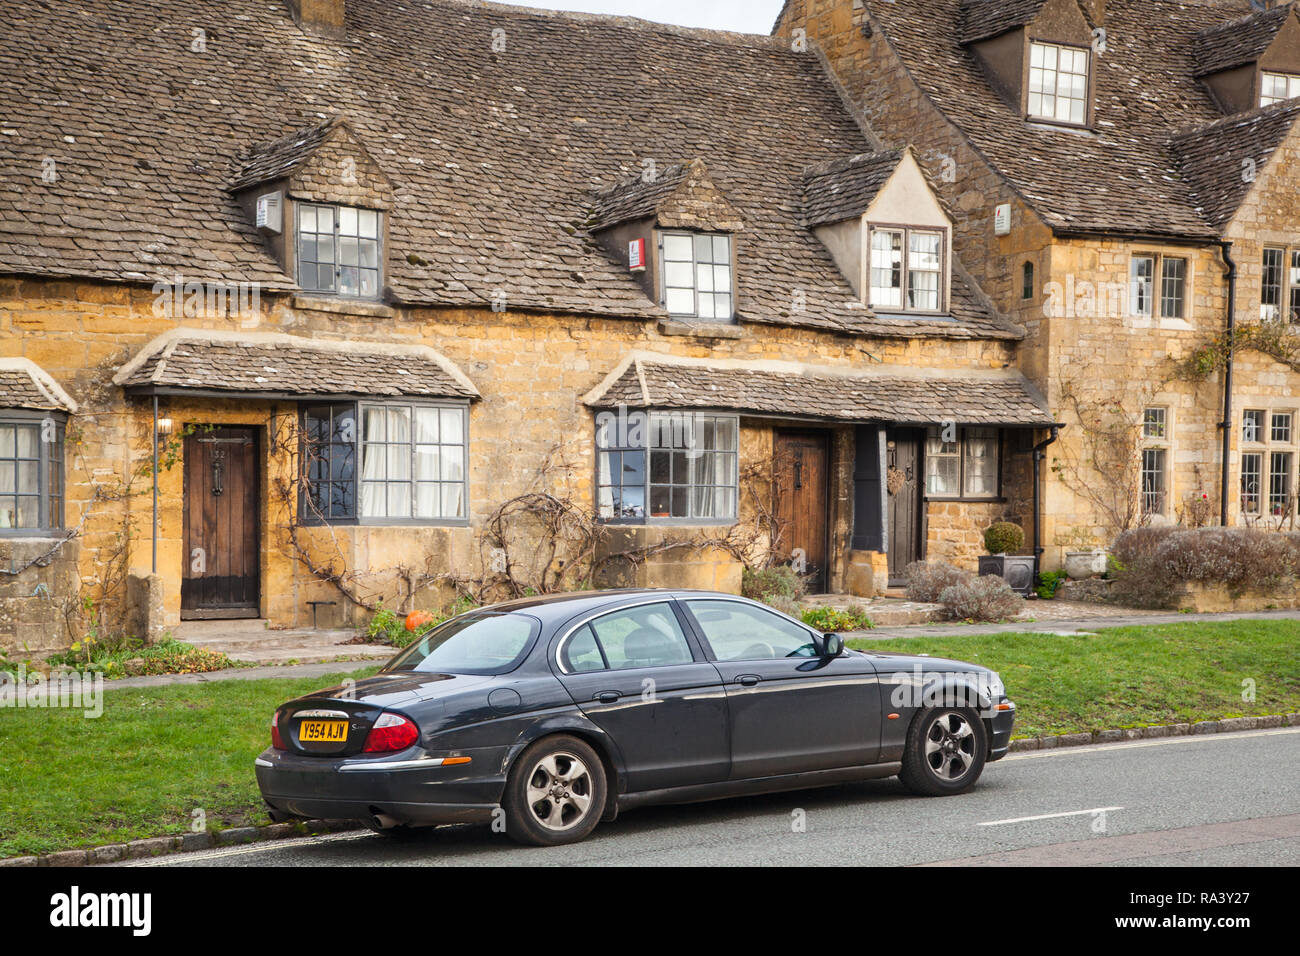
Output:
x=37 y=605
x=532 y=371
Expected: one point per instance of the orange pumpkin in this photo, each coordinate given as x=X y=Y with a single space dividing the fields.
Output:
x=417 y=619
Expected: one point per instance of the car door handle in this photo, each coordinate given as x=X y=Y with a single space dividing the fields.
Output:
x=608 y=697
x=748 y=680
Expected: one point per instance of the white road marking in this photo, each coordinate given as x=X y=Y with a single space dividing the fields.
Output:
x=1049 y=816
x=1153 y=742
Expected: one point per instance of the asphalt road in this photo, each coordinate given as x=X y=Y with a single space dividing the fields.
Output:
x=1218 y=800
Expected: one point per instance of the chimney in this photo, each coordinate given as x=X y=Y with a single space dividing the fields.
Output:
x=321 y=17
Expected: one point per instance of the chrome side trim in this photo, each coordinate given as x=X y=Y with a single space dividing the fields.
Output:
x=378 y=766
x=334 y=714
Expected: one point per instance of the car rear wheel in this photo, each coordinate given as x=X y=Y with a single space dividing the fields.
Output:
x=945 y=752
x=556 y=792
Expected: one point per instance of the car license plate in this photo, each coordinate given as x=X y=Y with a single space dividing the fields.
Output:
x=323 y=731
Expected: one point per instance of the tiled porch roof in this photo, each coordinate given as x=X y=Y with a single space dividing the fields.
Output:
x=24 y=384
x=268 y=363
x=907 y=396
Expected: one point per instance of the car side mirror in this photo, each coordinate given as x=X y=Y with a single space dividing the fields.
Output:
x=832 y=645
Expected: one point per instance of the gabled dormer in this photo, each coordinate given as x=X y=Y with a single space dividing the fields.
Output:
x=880 y=219
x=1037 y=54
x=321 y=202
x=676 y=231
x=1253 y=61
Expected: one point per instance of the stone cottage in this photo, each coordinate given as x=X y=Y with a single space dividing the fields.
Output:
x=311 y=304
x=1125 y=185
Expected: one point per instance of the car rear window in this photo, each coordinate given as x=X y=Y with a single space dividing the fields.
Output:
x=480 y=642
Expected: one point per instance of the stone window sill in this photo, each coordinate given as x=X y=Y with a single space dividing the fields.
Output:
x=700 y=330
x=344 y=306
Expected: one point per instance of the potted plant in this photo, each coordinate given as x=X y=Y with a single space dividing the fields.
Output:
x=1001 y=540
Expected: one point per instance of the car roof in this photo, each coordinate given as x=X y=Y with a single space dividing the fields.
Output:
x=553 y=607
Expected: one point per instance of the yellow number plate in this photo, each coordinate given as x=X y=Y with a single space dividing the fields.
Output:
x=323 y=731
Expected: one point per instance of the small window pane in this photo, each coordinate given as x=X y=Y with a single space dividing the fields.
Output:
x=678 y=249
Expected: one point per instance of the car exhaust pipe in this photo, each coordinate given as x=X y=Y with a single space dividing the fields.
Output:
x=382 y=821
x=278 y=816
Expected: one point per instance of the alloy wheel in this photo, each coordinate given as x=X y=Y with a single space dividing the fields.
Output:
x=559 y=791
x=950 y=746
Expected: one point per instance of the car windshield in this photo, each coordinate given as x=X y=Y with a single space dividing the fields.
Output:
x=481 y=642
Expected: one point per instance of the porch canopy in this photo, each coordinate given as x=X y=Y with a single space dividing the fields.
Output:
x=25 y=385
x=275 y=365
x=900 y=396
x=871 y=401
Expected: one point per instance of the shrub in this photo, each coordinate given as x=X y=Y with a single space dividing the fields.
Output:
x=984 y=598
x=131 y=657
x=926 y=581
x=1154 y=562
x=1049 y=582
x=827 y=619
x=780 y=581
x=1004 y=537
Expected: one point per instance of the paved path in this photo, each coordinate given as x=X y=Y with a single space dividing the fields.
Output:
x=243 y=673
x=1219 y=800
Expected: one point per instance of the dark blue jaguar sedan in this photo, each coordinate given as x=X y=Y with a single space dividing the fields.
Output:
x=549 y=715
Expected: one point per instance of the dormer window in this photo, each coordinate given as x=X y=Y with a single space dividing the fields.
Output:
x=1058 y=83
x=338 y=250
x=906 y=269
x=1276 y=87
x=697 y=279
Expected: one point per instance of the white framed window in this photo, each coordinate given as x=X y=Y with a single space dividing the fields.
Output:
x=660 y=467
x=1155 y=452
x=906 y=269
x=697 y=275
x=1058 y=83
x=1279 y=292
x=966 y=466
x=339 y=250
x=1165 y=296
x=385 y=463
x=1276 y=87
x=31 y=472
x=1270 y=450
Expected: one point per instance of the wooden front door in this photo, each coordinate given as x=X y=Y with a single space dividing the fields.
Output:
x=903 y=460
x=802 y=473
x=220 y=577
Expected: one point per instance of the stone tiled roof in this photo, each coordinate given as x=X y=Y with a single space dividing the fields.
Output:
x=1213 y=158
x=280 y=157
x=1124 y=176
x=493 y=156
x=1225 y=45
x=844 y=188
x=251 y=363
x=981 y=19
x=24 y=384
x=778 y=388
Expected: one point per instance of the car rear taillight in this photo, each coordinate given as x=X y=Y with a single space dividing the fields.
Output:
x=276 y=740
x=391 y=732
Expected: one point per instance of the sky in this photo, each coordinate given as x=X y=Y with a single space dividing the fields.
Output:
x=743 y=16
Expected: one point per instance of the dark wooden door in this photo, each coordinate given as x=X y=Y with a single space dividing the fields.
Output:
x=903 y=460
x=802 y=472
x=220 y=577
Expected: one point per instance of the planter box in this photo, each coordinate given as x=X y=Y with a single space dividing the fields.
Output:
x=1016 y=569
x=1085 y=564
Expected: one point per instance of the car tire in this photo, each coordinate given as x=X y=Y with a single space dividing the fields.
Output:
x=555 y=793
x=945 y=751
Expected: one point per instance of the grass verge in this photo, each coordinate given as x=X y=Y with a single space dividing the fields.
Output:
x=141 y=769
x=1132 y=676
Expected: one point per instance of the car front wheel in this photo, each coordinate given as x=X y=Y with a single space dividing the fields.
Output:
x=945 y=752
x=556 y=792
